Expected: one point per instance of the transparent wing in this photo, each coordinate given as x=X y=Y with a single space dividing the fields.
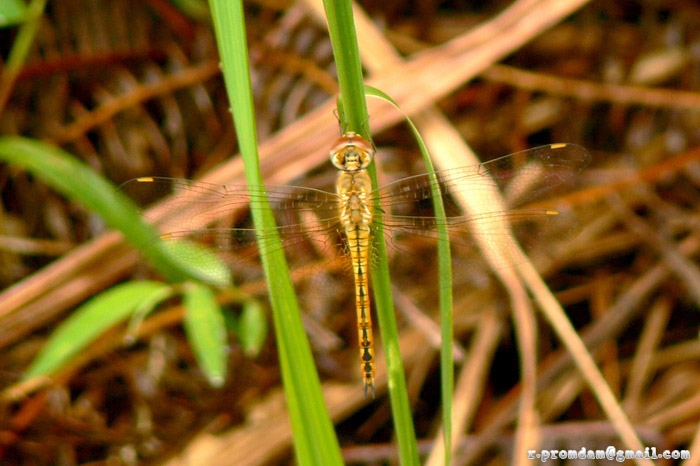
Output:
x=191 y=205
x=521 y=178
x=219 y=215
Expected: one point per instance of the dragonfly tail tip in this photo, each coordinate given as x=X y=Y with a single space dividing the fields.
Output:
x=369 y=386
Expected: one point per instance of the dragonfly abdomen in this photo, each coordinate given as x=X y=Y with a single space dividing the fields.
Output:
x=358 y=237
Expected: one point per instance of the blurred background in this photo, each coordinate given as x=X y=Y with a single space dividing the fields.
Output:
x=134 y=89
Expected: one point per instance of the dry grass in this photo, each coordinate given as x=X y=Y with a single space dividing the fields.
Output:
x=136 y=92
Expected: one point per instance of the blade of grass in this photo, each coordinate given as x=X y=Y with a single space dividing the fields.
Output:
x=444 y=284
x=252 y=328
x=314 y=439
x=91 y=320
x=12 y=12
x=20 y=49
x=206 y=331
x=445 y=287
x=353 y=111
x=341 y=29
x=80 y=183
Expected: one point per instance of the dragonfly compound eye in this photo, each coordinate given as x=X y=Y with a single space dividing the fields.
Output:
x=351 y=152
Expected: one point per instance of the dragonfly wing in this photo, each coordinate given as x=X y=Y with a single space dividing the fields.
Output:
x=521 y=178
x=218 y=216
x=530 y=227
x=189 y=205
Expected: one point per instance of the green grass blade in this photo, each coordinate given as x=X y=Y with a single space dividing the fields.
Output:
x=80 y=183
x=89 y=321
x=352 y=110
x=202 y=264
x=12 y=12
x=206 y=331
x=445 y=286
x=314 y=439
x=252 y=328
x=144 y=308
x=445 y=303
x=195 y=9
x=20 y=48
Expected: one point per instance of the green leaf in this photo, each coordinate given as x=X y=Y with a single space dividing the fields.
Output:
x=315 y=442
x=206 y=331
x=89 y=321
x=195 y=9
x=12 y=12
x=445 y=285
x=352 y=107
x=201 y=262
x=78 y=182
x=252 y=328
x=144 y=308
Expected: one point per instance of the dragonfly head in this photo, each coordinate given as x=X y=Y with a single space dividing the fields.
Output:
x=352 y=152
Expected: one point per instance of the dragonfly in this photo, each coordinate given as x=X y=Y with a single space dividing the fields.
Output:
x=346 y=219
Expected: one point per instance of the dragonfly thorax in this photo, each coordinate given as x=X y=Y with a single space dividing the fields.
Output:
x=353 y=189
x=352 y=152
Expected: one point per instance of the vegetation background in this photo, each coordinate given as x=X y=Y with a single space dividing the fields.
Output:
x=134 y=89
